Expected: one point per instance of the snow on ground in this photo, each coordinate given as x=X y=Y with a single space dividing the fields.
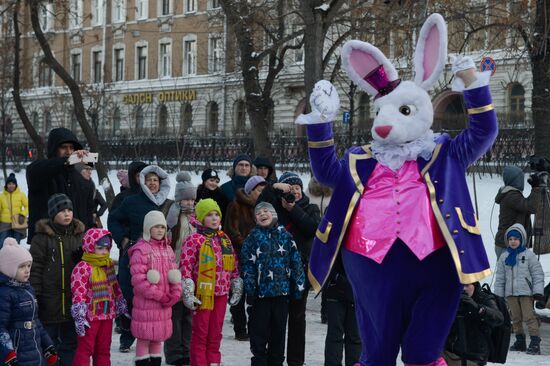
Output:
x=235 y=353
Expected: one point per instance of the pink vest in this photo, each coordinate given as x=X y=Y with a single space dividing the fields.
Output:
x=394 y=205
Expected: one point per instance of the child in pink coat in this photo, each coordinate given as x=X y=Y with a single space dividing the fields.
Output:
x=208 y=260
x=97 y=299
x=157 y=286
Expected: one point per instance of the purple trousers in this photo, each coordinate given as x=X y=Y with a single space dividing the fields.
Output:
x=403 y=303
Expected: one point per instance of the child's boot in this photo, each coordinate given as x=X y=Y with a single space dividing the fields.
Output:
x=155 y=361
x=143 y=362
x=534 y=346
x=519 y=344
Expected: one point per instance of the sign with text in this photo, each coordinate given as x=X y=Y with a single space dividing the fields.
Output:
x=161 y=97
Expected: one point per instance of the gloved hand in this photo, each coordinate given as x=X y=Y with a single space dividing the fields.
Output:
x=120 y=306
x=459 y=65
x=469 y=305
x=188 y=292
x=539 y=297
x=51 y=355
x=78 y=311
x=11 y=359
x=325 y=104
x=236 y=291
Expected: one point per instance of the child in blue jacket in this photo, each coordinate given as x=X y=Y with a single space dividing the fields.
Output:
x=272 y=271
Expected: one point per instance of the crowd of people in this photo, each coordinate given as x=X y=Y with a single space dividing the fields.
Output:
x=182 y=261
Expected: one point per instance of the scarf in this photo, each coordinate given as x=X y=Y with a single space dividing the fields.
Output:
x=394 y=156
x=511 y=260
x=103 y=278
x=206 y=279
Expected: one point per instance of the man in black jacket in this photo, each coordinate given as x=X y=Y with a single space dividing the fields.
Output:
x=55 y=175
x=300 y=218
x=470 y=335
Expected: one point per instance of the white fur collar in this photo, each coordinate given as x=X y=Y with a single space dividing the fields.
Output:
x=394 y=156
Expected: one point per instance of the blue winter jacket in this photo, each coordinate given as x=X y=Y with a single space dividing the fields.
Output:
x=271 y=264
x=20 y=327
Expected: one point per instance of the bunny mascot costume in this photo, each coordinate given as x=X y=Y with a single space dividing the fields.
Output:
x=401 y=215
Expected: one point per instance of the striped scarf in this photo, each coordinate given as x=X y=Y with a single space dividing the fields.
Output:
x=103 y=278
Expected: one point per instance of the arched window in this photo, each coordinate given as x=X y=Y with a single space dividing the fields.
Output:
x=47 y=122
x=116 y=120
x=186 y=115
x=138 y=113
x=162 y=119
x=517 y=103
x=212 y=117
x=363 y=112
x=239 y=116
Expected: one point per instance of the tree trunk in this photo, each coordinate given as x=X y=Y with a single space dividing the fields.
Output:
x=35 y=137
x=80 y=112
x=540 y=65
x=314 y=40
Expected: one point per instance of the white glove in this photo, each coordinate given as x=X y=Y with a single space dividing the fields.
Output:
x=189 y=299
x=236 y=291
x=325 y=104
x=461 y=63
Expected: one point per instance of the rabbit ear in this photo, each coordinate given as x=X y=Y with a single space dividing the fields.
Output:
x=430 y=55
x=360 y=58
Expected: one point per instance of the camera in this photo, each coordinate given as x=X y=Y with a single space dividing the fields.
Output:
x=541 y=170
x=288 y=197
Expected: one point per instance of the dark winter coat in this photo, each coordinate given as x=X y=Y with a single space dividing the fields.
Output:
x=100 y=204
x=52 y=175
x=236 y=182
x=217 y=195
x=271 y=264
x=239 y=219
x=262 y=161
x=55 y=253
x=18 y=305
x=134 y=168
x=338 y=286
x=470 y=335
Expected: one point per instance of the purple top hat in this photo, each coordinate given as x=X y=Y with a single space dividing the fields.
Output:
x=379 y=80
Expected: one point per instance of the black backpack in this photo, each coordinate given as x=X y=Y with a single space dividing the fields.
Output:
x=500 y=336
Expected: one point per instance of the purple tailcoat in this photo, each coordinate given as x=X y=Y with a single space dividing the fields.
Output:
x=445 y=178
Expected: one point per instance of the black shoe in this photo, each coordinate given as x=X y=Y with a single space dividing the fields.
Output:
x=242 y=337
x=184 y=361
x=534 y=346
x=155 y=361
x=144 y=362
x=124 y=349
x=519 y=344
x=118 y=330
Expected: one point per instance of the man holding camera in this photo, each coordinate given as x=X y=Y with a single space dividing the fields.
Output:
x=300 y=218
x=514 y=207
x=56 y=174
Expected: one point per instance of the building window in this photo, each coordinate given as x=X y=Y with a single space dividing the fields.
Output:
x=75 y=67
x=119 y=11
x=164 y=7
x=186 y=115
x=363 y=111
x=96 y=66
x=97 y=12
x=517 y=103
x=215 y=52
x=190 y=6
x=165 y=59
x=119 y=64
x=140 y=119
x=190 y=56
x=116 y=120
x=214 y=4
x=141 y=62
x=239 y=116
x=44 y=74
x=212 y=117
x=46 y=17
x=142 y=9
x=162 y=119
x=75 y=8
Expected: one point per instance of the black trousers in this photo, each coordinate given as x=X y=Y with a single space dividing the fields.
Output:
x=342 y=333
x=239 y=316
x=267 y=328
x=296 y=345
x=176 y=348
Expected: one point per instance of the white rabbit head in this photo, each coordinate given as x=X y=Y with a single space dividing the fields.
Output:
x=404 y=111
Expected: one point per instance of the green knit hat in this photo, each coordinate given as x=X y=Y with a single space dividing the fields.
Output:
x=204 y=206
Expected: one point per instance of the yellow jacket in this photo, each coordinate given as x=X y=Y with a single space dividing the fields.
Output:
x=13 y=204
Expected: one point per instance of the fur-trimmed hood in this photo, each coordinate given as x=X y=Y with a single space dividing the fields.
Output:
x=76 y=227
x=164 y=190
x=243 y=198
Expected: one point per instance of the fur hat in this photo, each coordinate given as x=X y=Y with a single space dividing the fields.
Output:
x=241 y=157
x=291 y=178
x=185 y=190
x=209 y=173
x=10 y=179
x=122 y=176
x=153 y=218
x=57 y=203
x=252 y=183
x=11 y=256
x=267 y=205
x=204 y=206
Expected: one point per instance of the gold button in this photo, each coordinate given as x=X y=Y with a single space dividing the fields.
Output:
x=462 y=252
x=455 y=231
x=441 y=200
x=397 y=202
x=398 y=212
x=397 y=232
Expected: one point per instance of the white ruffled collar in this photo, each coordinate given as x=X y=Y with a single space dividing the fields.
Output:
x=394 y=156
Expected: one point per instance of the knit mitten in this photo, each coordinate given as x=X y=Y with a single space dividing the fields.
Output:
x=11 y=359
x=51 y=355
x=236 y=291
x=189 y=299
x=78 y=311
x=120 y=306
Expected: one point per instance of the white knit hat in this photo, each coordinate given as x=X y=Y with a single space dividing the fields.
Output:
x=11 y=256
x=153 y=218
